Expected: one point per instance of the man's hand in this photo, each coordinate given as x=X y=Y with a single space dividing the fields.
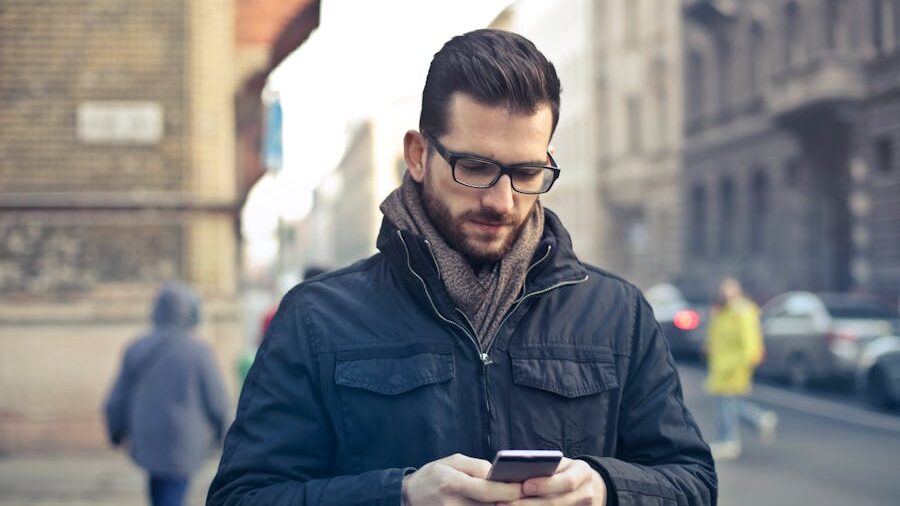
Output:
x=456 y=480
x=574 y=483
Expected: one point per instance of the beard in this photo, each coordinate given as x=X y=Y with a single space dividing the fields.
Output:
x=476 y=252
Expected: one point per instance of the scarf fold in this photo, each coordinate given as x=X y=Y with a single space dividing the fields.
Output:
x=484 y=296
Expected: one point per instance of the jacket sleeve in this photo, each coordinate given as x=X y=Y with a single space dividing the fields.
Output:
x=215 y=397
x=280 y=449
x=661 y=458
x=751 y=333
x=116 y=407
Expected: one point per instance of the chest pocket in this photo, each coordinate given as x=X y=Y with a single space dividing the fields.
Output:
x=566 y=398
x=395 y=406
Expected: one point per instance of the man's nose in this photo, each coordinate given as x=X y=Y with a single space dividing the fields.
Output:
x=500 y=196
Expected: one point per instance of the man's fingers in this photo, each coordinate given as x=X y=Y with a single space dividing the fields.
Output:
x=481 y=490
x=570 y=475
x=471 y=466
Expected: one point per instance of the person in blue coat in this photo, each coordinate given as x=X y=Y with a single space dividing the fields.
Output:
x=168 y=403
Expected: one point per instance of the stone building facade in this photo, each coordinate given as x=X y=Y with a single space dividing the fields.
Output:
x=116 y=173
x=791 y=129
x=618 y=139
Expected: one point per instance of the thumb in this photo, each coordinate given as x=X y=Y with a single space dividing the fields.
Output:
x=476 y=468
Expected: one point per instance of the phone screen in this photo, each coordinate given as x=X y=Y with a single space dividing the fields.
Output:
x=516 y=466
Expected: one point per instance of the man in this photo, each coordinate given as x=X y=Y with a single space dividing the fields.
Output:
x=475 y=329
x=735 y=349
x=169 y=401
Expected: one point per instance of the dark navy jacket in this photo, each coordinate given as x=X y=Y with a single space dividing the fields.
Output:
x=370 y=371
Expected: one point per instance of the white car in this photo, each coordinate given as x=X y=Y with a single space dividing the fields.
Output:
x=878 y=378
x=820 y=336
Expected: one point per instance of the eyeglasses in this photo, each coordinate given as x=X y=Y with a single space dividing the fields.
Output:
x=478 y=172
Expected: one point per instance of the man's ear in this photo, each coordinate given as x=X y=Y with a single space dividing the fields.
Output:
x=415 y=151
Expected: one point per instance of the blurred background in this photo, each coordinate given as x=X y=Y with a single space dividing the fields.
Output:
x=235 y=143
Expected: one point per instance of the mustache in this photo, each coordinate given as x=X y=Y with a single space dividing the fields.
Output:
x=490 y=216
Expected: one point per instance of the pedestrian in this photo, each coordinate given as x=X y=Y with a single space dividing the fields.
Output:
x=474 y=329
x=734 y=350
x=168 y=403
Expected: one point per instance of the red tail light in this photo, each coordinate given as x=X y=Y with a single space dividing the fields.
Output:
x=835 y=337
x=686 y=319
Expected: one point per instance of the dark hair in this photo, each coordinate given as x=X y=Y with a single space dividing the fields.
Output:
x=493 y=67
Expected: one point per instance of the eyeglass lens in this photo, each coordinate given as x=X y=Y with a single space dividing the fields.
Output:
x=481 y=173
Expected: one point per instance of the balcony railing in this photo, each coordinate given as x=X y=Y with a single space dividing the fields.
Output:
x=825 y=81
x=710 y=11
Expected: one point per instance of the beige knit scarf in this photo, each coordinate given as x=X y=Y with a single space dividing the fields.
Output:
x=484 y=296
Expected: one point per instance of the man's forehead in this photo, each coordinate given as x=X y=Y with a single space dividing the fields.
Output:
x=473 y=120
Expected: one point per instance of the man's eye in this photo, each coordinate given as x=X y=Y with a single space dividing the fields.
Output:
x=526 y=174
x=475 y=165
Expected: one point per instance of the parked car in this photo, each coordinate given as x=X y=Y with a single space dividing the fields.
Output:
x=683 y=322
x=878 y=377
x=818 y=336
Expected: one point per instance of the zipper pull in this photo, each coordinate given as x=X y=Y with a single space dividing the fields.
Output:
x=486 y=359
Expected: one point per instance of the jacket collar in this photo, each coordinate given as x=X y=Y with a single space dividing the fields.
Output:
x=554 y=261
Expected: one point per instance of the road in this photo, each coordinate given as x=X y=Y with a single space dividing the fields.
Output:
x=830 y=450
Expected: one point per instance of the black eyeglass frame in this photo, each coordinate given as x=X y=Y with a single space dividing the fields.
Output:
x=451 y=158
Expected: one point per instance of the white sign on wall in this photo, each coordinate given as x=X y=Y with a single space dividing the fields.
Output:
x=120 y=122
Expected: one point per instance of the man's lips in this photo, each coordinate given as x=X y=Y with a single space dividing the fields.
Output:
x=489 y=226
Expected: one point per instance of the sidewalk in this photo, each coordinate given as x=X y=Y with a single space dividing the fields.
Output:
x=83 y=479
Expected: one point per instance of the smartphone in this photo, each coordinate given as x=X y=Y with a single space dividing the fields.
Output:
x=516 y=466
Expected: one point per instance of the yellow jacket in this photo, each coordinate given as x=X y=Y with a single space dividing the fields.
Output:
x=734 y=348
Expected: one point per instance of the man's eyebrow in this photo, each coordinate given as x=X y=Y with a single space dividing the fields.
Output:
x=544 y=163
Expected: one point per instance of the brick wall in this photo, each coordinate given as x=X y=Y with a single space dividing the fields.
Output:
x=88 y=230
x=56 y=55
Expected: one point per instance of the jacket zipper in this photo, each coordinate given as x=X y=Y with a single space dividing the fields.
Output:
x=482 y=353
x=528 y=295
x=483 y=356
x=430 y=301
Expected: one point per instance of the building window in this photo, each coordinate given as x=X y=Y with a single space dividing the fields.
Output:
x=631 y=22
x=726 y=217
x=662 y=114
x=697 y=89
x=833 y=24
x=885 y=18
x=793 y=34
x=759 y=206
x=793 y=173
x=635 y=137
x=757 y=54
x=724 y=75
x=884 y=154
x=697 y=226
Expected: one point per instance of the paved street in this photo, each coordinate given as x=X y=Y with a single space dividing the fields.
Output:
x=95 y=479
x=830 y=451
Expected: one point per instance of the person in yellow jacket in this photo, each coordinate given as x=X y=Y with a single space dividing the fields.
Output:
x=734 y=349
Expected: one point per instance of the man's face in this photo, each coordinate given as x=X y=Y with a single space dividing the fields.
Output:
x=483 y=223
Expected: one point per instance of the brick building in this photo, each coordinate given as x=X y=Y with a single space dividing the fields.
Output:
x=792 y=122
x=117 y=171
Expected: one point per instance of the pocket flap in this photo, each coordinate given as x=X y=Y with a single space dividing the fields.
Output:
x=568 y=378
x=394 y=375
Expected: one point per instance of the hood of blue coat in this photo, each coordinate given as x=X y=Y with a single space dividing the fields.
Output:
x=176 y=306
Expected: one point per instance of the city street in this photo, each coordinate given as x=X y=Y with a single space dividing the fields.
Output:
x=829 y=451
